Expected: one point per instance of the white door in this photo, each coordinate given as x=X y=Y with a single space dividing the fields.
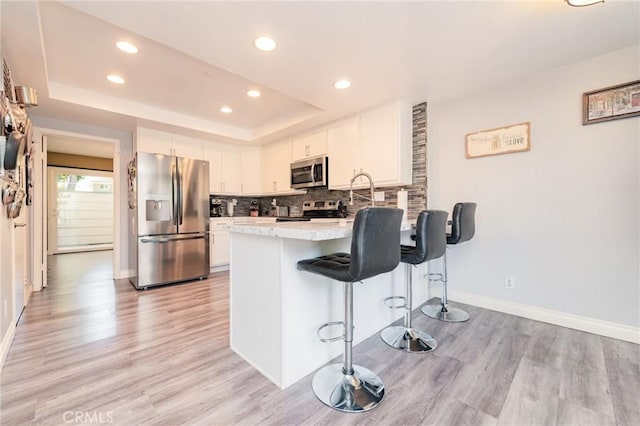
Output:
x=19 y=263
x=80 y=210
x=39 y=216
x=20 y=253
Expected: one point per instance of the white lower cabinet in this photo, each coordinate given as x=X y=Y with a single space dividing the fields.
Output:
x=220 y=241
x=219 y=250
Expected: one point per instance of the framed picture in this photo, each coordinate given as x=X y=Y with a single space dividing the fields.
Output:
x=611 y=103
x=503 y=140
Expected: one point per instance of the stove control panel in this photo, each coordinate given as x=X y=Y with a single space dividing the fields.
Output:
x=320 y=205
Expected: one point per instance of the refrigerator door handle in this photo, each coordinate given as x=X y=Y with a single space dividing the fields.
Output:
x=174 y=195
x=180 y=191
x=162 y=240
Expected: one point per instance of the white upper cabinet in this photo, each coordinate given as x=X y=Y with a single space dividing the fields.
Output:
x=156 y=142
x=250 y=170
x=224 y=168
x=231 y=169
x=343 y=146
x=184 y=146
x=153 y=141
x=276 y=171
x=386 y=144
x=378 y=142
x=309 y=145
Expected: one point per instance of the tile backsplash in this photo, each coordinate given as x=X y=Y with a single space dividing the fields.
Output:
x=417 y=191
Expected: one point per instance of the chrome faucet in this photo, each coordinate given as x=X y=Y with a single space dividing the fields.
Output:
x=351 y=194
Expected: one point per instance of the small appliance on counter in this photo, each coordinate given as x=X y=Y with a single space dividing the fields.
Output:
x=254 y=208
x=215 y=207
x=324 y=209
x=279 y=211
x=230 y=206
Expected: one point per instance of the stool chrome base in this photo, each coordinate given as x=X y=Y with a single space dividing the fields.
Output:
x=408 y=339
x=445 y=313
x=361 y=391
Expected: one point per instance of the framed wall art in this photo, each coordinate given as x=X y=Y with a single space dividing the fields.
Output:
x=503 y=140
x=611 y=103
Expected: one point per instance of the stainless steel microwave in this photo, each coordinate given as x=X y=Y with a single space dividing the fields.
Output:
x=309 y=173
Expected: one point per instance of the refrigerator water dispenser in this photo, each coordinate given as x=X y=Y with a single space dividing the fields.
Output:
x=158 y=210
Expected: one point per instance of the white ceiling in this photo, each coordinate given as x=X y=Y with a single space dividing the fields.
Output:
x=197 y=56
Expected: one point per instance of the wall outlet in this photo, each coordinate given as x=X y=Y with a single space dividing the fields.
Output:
x=378 y=195
x=509 y=282
x=5 y=308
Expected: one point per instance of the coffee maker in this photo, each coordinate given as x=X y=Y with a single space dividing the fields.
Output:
x=215 y=207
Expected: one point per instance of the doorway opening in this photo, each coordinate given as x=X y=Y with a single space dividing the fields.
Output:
x=76 y=172
x=80 y=210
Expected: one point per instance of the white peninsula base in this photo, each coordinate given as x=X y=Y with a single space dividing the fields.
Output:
x=276 y=310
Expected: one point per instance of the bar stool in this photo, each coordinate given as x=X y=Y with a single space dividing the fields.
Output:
x=374 y=250
x=431 y=243
x=462 y=229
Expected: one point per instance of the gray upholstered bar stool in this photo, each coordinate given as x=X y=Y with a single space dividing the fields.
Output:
x=374 y=250
x=462 y=229
x=431 y=243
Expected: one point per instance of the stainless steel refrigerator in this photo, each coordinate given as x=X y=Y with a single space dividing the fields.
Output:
x=169 y=202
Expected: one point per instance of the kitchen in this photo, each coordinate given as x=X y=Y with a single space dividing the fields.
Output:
x=518 y=225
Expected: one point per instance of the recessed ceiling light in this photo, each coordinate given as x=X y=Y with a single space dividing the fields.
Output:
x=253 y=94
x=265 y=43
x=226 y=109
x=126 y=47
x=580 y=3
x=115 y=79
x=342 y=84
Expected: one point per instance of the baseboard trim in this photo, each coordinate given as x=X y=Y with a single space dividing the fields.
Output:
x=124 y=273
x=6 y=343
x=590 y=325
x=264 y=373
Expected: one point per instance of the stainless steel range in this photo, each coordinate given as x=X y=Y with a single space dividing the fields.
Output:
x=324 y=209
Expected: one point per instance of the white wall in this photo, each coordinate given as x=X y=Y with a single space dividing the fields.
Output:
x=126 y=153
x=563 y=218
x=6 y=282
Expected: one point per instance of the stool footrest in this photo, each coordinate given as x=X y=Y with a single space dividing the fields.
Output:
x=435 y=277
x=388 y=301
x=331 y=324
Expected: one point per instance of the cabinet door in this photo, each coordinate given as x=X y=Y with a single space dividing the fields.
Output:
x=310 y=145
x=213 y=154
x=385 y=141
x=343 y=149
x=276 y=171
x=187 y=147
x=230 y=169
x=250 y=170
x=220 y=248
x=153 y=141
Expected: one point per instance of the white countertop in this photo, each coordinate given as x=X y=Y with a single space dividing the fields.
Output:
x=320 y=230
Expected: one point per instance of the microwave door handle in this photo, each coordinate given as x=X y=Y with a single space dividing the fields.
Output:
x=313 y=173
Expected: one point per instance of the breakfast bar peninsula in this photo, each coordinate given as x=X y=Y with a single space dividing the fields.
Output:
x=275 y=310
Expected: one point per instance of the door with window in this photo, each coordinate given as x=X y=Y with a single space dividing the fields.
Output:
x=80 y=216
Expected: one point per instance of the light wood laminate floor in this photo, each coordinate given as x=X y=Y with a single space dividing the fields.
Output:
x=96 y=348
